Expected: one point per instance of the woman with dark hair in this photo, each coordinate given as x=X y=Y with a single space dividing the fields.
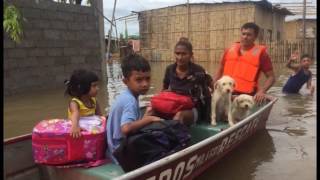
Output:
x=187 y=78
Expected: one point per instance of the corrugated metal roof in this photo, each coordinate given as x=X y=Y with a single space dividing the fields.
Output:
x=262 y=3
x=300 y=19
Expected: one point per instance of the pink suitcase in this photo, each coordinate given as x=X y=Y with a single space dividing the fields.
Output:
x=53 y=145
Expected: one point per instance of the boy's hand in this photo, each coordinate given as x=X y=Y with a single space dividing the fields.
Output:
x=156 y=119
x=151 y=119
x=75 y=132
x=149 y=111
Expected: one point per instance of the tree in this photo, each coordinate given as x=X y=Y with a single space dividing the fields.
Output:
x=12 y=22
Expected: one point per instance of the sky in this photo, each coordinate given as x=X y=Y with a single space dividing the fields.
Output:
x=124 y=8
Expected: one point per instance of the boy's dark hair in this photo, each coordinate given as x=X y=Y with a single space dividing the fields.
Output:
x=305 y=56
x=183 y=41
x=134 y=62
x=251 y=25
x=80 y=82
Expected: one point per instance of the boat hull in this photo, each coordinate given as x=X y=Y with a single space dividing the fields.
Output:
x=185 y=164
x=192 y=161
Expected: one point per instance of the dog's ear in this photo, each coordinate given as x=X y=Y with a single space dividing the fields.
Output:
x=216 y=84
x=237 y=101
x=252 y=100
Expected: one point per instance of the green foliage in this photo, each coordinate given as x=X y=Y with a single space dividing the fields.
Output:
x=89 y=3
x=12 y=22
x=135 y=37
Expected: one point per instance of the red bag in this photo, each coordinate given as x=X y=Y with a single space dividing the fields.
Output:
x=168 y=103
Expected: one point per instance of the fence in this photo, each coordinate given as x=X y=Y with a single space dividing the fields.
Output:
x=280 y=51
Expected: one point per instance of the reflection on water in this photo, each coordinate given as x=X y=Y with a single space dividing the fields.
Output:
x=114 y=81
x=248 y=156
x=291 y=150
x=285 y=151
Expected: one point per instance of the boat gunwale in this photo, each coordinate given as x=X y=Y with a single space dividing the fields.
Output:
x=17 y=139
x=197 y=146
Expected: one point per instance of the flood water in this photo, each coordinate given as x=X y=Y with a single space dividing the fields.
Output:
x=285 y=150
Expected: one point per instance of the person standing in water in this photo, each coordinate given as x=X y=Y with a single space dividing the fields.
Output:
x=301 y=75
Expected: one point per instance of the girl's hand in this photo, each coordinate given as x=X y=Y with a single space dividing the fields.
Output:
x=75 y=132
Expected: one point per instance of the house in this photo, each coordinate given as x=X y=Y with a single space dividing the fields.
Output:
x=294 y=29
x=211 y=27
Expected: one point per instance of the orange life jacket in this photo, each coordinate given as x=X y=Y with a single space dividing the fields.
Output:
x=243 y=69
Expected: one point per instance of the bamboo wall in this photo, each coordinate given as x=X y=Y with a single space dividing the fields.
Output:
x=293 y=29
x=211 y=28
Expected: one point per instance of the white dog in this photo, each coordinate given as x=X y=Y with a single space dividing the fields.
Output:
x=221 y=100
x=241 y=106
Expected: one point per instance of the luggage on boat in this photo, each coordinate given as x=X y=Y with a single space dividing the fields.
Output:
x=151 y=143
x=168 y=103
x=53 y=145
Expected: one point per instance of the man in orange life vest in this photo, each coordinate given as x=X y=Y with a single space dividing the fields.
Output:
x=244 y=61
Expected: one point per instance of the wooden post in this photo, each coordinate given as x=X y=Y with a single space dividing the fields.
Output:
x=188 y=18
x=304 y=26
x=117 y=39
x=110 y=31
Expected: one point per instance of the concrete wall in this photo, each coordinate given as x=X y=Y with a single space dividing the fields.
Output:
x=58 y=38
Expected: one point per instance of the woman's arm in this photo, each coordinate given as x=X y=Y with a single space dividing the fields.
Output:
x=166 y=79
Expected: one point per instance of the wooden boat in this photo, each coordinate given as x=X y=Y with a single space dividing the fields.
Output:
x=209 y=144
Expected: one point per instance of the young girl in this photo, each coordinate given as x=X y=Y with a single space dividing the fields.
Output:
x=83 y=88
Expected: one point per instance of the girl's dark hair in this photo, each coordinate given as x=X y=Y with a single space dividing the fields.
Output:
x=183 y=41
x=134 y=62
x=80 y=82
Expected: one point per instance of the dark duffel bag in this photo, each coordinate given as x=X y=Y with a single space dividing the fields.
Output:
x=151 y=143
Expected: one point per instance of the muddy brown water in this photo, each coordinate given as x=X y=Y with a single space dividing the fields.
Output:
x=285 y=150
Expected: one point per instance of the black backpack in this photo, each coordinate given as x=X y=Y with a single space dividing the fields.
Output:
x=151 y=143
